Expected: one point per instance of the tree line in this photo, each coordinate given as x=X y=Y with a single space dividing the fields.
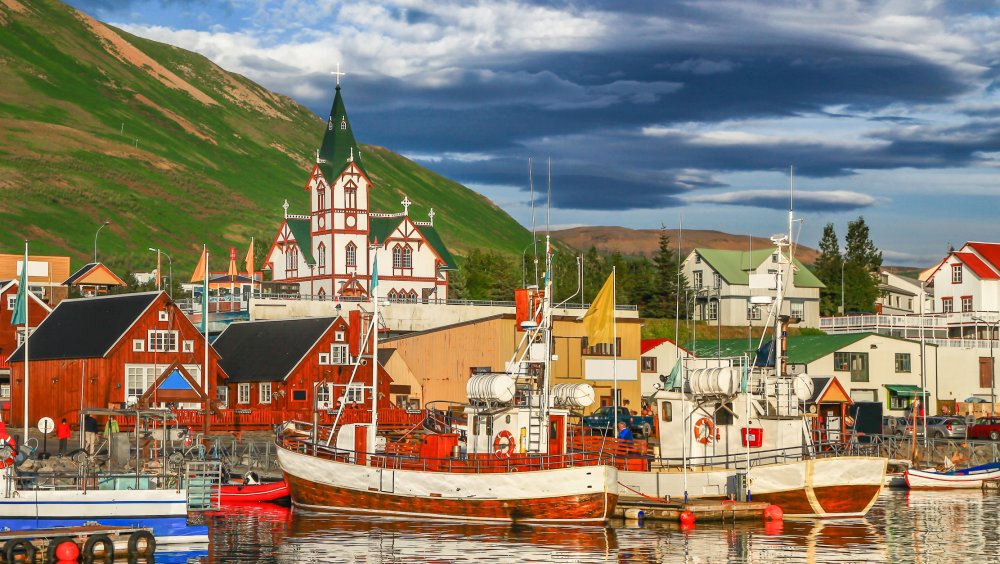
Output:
x=851 y=277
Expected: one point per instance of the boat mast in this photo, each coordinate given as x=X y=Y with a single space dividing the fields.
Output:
x=373 y=430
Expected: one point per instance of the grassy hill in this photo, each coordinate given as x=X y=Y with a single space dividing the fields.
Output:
x=99 y=124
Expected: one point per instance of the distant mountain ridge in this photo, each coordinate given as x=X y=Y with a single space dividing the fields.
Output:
x=646 y=242
x=96 y=123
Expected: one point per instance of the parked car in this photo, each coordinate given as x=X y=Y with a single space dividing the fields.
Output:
x=985 y=428
x=603 y=419
x=942 y=427
x=893 y=425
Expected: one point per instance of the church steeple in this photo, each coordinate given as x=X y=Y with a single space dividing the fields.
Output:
x=339 y=147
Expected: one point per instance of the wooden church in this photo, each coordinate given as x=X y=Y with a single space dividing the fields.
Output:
x=330 y=251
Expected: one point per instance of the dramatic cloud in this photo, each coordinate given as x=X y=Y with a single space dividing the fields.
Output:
x=840 y=200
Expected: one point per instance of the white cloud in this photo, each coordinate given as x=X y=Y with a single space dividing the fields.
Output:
x=826 y=198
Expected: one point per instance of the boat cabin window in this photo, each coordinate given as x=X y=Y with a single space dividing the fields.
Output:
x=667 y=411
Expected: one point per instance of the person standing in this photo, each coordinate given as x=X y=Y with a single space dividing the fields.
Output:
x=63 y=433
x=624 y=433
x=90 y=433
x=110 y=427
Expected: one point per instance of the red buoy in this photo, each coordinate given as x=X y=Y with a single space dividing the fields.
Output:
x=68 y=551
x=773 y=513
x=687 y=518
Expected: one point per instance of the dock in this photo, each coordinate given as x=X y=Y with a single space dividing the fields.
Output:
x=704 y=510
x=89 y=542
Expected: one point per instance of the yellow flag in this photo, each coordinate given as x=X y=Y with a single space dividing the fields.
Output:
x=249 y=260
x=598 y=323
x=199 y=271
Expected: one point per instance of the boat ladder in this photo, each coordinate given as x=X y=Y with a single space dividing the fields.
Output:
x=204 y=481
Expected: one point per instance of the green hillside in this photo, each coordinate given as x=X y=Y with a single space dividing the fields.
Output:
x=98 y=124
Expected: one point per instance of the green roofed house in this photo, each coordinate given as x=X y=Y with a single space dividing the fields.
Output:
x=870 y=367
x=721 y=282
x=330 y=252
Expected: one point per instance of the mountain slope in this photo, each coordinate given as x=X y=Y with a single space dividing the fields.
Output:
x=646 y=242
x=99 y=124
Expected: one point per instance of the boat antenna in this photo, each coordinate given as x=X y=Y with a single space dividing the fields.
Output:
x=534 y=239
x=677 y=291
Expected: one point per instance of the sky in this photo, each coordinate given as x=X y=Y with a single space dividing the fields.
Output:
x=651 y=113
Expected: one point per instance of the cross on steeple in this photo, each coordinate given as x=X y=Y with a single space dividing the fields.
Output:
x=430 y=216
x=406 y=205
x=338 y=74
x=285 y=207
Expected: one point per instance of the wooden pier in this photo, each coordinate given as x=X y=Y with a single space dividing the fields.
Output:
x=93 y=542
x=703 y=510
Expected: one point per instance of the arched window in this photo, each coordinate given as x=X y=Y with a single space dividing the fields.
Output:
x=407 y=257
x=397 y=257
x=351 y=198
x=413 y=296
x=391 y=296
x=292 y=262
x=351 y=254
x=320 y=199
x=321 y=257
x=321 y=294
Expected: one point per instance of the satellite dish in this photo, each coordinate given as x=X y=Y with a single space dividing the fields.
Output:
x=46 y=425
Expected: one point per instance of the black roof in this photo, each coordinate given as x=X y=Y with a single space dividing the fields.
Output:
x=85 y=327
x=267 y=351
x=80 y=273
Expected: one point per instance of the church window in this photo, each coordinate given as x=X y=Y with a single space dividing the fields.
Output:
x=292 y=262
x=397 y=257
x=392 y=296
x=343 y=124
x=412 y=297
x=351 y=198
x=321 y=199
x=321 y=257
x=351 y=254
x=407 y=257
x=321 y=294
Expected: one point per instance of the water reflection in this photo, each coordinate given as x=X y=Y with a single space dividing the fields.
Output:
x=902 y=527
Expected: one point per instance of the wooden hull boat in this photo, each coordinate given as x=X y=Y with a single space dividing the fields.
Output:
x=968 y=478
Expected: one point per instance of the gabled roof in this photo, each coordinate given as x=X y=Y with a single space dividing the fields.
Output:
x=9 y=284
x=647 y=345
x=982 y=270
x=268 y=351
x=828 y=389
x=302 y=231
x=380 y=228
x=339 y=147
x=94 y=273
x=989 y=251
x=734 y=266
x=85 y=327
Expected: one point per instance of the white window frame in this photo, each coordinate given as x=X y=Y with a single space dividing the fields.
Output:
x=5 y=391
x=339 y=336
x=162 y=315
x=716 y=280
x=139 y=378
x=753 y=311
x=712 y=310
x=698 y=279
x=339 y=355
x=187 y=345
x=222 y=396
x=797 y=309
x=162 y=340
x=11 y=301
x=138 y=345
x=324 y=359
x=264 y=393
x=354 y=393
x=243 y=393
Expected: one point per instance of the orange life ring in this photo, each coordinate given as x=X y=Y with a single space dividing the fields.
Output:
x=500 y=449
x=7 y=443
x=704 y=431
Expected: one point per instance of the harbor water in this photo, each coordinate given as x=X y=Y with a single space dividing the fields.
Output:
x=902 y=527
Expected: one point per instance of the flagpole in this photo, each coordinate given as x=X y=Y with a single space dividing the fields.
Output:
x=373 y=433
x=614 y=343
x=24 y=280
x=204 y=325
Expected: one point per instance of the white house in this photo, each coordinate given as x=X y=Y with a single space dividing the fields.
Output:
x=968 y=280
x=331 y=251
x=656 y=362
x=720 y=285
x=899 y=295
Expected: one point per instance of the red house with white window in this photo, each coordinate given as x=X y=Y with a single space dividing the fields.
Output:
x=11 y=335
x=967 y=280
x=286 y=369
x=107 y=351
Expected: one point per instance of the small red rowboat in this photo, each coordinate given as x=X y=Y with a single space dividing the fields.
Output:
x=239 y=493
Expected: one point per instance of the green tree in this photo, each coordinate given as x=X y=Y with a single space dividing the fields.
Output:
x=862 y=268
x=828 y=270
x=488 y=275
x=662 y=301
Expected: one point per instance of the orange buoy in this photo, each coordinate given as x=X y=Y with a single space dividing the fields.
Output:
x=687 y=518
x=773 y=513
x=68 y=551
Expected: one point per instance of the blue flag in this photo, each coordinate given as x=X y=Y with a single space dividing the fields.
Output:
x=374 y=282
x=20 y=315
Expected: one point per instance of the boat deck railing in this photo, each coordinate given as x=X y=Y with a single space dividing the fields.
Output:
x=464 y=463
x=17 y=483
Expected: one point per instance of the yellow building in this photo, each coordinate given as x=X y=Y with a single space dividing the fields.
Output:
x=434 y=365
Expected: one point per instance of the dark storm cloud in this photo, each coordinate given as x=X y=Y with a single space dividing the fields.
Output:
x=838 y=201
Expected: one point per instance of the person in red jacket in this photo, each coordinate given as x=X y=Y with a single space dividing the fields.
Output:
x=63 y=432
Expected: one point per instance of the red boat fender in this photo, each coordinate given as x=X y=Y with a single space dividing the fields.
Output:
x=773 y=513
x=687 y=518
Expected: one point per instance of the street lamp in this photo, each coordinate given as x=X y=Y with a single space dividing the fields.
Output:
x=170 y=270
x=993 y=369
x=103 y=225
x=843 y=309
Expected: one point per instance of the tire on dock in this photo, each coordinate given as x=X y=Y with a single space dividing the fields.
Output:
x=89 y=553
x=15 y=547
x=141 y=543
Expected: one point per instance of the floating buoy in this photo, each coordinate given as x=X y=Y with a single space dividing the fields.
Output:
x=773 y=513
x=687 y=518
x=67 y=550
x=634 y=513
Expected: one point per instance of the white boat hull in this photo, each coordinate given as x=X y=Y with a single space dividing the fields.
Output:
x=93 y=504
x=927 y=480
x=823 y=487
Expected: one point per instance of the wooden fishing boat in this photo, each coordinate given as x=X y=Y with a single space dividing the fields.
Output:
x=966 y=478
x=502 y=457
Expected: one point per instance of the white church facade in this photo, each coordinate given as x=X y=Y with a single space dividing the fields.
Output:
x=331 y=251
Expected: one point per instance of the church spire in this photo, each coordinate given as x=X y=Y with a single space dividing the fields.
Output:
x=339 y=147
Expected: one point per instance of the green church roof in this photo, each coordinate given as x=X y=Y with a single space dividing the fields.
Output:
x=339 y=147
x=380 y=228
x=734 y=266
x=302 y=231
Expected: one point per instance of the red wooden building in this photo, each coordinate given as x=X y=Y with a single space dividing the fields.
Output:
x=106 y=351
x=11 y=336
x=285 y=369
